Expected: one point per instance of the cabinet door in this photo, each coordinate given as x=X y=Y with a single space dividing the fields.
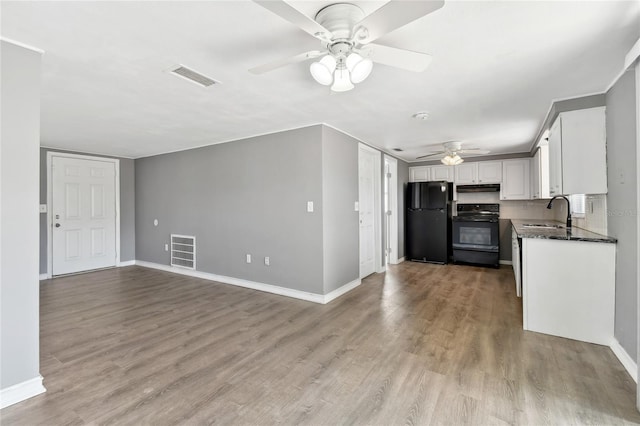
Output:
x=466 y=174
x=442 y=173
x=584 y=151
x=535 y=175
x=555 y=158
x=515 y=260
x=515 y=180
x=419 y=174
x=490 y=172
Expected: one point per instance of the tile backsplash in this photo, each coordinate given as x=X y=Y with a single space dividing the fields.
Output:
x=595 y=219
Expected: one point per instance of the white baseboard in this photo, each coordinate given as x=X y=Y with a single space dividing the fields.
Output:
x=505 y=262
x=400 y=260
x=341 y=290
x=21 y=391
x=45 y=276
x=628 y=362
x=269 y=288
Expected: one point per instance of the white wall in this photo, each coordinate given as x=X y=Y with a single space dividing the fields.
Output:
x=19 y=221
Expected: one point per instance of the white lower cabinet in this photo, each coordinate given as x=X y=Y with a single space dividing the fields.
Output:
x=515 y=260
x=568 y=288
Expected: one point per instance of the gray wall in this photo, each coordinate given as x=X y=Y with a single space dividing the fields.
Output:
x=621 y=203
x=20 y=135
x=340 y=228
x=127 y=207
x=248 y=196
x=403 y=179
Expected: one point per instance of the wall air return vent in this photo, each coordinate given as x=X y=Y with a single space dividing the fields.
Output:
x=193 y=76
x=183 y=251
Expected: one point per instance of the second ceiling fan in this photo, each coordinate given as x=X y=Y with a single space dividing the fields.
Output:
x=450 y=153
x=347 y=35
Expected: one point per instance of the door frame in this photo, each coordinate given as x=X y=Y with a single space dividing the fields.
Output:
x=50 y=155
x=379 y=265
x=393 y=206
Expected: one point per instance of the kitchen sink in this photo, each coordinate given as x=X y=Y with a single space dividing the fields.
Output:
x=542 y=226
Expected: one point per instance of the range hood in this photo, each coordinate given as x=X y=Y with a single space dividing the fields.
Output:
x=489 y=187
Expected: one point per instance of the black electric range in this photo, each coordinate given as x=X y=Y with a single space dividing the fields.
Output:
x=475 y=234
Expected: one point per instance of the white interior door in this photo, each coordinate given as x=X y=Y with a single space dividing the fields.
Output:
x=366 y=171
x=83 y=213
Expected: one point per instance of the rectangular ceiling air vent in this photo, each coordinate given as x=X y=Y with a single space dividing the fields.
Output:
x=193 y=76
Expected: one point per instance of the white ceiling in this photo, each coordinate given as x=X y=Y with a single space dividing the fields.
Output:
x=497 y=67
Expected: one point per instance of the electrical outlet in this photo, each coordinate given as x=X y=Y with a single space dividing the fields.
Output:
x=310 y=206
x=267 y=261
x=166 y=247
x=248 y=258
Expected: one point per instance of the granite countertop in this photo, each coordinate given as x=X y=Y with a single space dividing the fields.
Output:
x=573 y=234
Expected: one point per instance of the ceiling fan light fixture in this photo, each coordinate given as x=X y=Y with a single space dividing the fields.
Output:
x=452 y=160
x=342 y=82
x=322 y=71
x=359 y=67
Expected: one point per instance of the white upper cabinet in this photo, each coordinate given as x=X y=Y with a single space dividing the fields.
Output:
x=442 y=173
x=555 y=159
x=466 y=174
x=578 y=153
x=478 y=172
x=489 y=172
x=515 y=179
x=419 y=174
x=540 y=173
x=430 y=173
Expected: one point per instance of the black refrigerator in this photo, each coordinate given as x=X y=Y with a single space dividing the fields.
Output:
x=428 y=221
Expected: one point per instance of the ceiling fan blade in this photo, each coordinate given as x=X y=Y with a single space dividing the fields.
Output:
x=437 y=154
x=286 y=61
x=293 y=15
x=395 y=14
x=474 y=151
x=394 y=57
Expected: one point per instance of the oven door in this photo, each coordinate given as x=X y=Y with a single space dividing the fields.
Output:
x=476 y=235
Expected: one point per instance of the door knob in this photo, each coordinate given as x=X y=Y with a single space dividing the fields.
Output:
x=57 y=225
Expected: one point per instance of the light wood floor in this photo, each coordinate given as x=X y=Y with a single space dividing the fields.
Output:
x=422 y=344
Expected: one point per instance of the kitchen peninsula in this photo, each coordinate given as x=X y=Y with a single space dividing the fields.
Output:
x=567 y=278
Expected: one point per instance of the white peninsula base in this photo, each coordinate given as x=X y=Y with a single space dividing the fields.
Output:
x=569 y=288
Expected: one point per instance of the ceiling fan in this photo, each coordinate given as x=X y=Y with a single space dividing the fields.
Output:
x=346 y=35
x=451 y=153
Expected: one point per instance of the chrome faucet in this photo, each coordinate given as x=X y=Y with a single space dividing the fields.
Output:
x=568 y=208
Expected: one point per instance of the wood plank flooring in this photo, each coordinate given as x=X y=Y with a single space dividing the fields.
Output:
x=422 y=344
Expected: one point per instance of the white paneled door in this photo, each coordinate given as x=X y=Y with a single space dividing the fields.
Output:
x=83 y=214
x=367 y=175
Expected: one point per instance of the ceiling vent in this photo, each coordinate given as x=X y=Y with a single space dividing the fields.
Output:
x=193 y=76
